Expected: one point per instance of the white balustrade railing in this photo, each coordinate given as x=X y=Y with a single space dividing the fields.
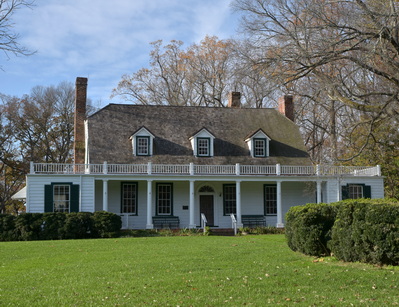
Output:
x=191 y=169
x=297 y=170
x=215 y=169
x=127 y=168
x=258 y=169
x=171 y=169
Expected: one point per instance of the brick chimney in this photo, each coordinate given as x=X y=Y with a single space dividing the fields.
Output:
x=286 y=106
x=234 y=100
x=80 y=116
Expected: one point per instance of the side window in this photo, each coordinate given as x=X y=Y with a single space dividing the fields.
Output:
x=355 y=191
x=61 y=197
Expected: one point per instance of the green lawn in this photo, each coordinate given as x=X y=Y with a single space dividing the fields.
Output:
x=185 y=271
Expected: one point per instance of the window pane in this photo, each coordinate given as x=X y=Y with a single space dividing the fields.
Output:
x=203 y=147
x=129 y=198
x=270 y=199
x=142 y=146
x=259 y=148
x=229 y=199
x=61 y=198
x=164 y=197
x=355 y=191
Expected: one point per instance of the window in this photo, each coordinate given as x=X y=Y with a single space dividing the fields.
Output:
x=143 y=145
x=202 y=143
x=270 y=197
x=61 y=198
x=129 y=198
x=142 y=142
x=203 y=147
x=164 y=198
x=258 y=144
x=355 y=191
x=259 y=147
x=229 y=199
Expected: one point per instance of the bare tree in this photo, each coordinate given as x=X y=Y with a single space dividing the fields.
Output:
x=349 y=49
x=42 y=123
x=201 y=75
x=8 y=38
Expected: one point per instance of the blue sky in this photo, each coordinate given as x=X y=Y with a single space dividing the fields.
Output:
x=102 y=39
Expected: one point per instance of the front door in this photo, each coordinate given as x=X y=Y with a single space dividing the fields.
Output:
x=206 y=207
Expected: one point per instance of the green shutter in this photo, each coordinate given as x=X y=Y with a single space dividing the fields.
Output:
x=48 y=198
x=367 y=191
x=345 y=192
x=74 y=198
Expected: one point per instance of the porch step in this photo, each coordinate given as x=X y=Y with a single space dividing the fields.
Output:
x=222 y=231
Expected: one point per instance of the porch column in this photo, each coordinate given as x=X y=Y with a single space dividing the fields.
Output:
x=191 y=207
x=105 y=195
x=238 y=203
x=318 y=198
x=279 y=207
x=149 y=205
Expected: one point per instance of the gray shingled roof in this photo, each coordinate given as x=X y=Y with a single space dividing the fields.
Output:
x=111 y=127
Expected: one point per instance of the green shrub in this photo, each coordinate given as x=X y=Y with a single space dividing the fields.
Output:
x=262 y=230
x=367 y=231
x=53 y=226
x=28 y=226
x=78 y=225
x=7 y=227
x=308 y=228
x=106 y=224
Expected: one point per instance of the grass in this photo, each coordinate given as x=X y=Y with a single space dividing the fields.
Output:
x=185 y=271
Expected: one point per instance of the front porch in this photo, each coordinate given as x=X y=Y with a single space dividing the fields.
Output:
x=140 y=192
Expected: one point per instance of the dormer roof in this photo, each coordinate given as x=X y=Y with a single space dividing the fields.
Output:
x=142 y=131
x=202 y=131
x=257 y=134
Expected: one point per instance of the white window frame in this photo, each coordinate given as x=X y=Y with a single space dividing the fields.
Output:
x=61 y=198
x=140 y=147
x=141 y=134
x=251 y=141
x=355 y=191
x=200 y=136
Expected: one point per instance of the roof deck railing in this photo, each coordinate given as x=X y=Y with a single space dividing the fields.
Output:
x=195 y=169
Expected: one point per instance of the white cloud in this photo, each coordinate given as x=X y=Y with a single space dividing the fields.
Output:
x=105 y=39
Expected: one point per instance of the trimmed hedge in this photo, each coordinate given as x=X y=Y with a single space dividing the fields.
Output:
x=352 y=230
x=367 y=231
x=58 y=226
x=308 y=228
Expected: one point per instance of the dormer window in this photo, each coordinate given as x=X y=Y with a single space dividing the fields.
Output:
x=143 y=146
x=258 y=144
x=203 y=147
x=142 y=142
x=202 y=143
x=259 y=147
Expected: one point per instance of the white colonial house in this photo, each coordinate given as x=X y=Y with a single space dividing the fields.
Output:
x=173 y=166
